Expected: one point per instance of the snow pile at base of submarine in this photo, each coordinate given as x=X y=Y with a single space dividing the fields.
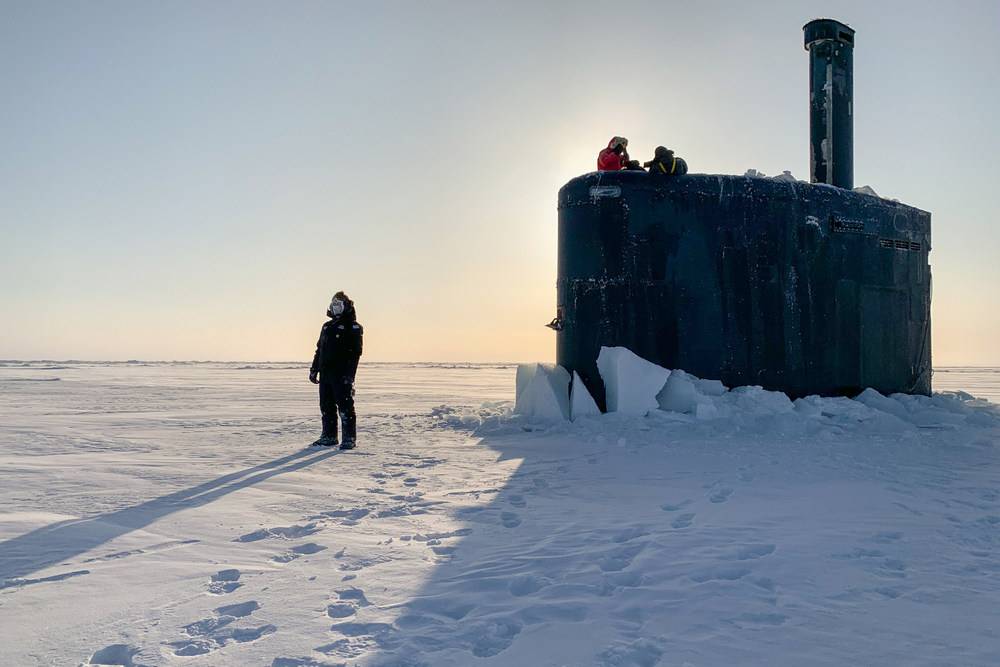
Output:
x=635 y=387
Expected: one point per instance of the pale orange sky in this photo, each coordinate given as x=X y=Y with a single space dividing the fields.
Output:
x=189 y=181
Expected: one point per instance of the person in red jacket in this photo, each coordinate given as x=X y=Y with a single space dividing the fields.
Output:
x=615 y=156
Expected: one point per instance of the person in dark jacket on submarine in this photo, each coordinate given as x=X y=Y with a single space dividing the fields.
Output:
x=665 y=163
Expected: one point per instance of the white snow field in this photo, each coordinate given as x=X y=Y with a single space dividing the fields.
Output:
x=170 y=514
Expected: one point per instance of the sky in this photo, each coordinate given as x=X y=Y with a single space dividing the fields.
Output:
x=194 y=180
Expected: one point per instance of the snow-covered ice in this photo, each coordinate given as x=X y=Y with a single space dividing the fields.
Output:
x=785 y=176
x=168 y=514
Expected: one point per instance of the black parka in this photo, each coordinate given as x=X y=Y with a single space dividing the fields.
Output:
x=671 y=166
x=338 y=349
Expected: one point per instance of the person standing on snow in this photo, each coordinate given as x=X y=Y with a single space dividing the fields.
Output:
x=615 y=156
x=334 y=367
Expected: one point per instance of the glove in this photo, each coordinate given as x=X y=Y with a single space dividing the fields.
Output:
x=314 y=377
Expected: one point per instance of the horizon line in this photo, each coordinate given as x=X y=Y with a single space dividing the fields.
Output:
x=307 y=363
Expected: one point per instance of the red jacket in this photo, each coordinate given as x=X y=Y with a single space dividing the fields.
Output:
x=608 y=160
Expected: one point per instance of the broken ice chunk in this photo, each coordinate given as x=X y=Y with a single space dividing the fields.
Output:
x=631 y=383
x=581 y=402
x=542 y=391
x=679 y=394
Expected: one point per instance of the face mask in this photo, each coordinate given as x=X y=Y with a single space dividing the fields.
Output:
x=337 y=307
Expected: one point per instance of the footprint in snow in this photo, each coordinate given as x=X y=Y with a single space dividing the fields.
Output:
x=683 y=521
x=674 y=507
x=355 y=564
x=121 y=655
x=223 y=617
x=224 y=581
x=415 y=461
x=517 y=500
x=892 y=567
x=297 y=552
x=356 y=629
x=347 y=517
x=379 y=475
x=640 y=653
x=887 y=537
x=412 y=497
x=214 y=632
x=526 y=584
x=620 y=558
x=340 y=610
x=629 y=534
x=510 y=520
x=220 y=639
x=280 y=532
x=348 y=647
x=754 y=551
x=405 y=509
x=487 y=639
x=411 y=481
x=721 y=496
x=886 y=592
x=355 y=596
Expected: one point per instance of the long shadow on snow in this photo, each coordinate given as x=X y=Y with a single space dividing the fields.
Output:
x=508 y=569
x=549 y=556
x=64 y=540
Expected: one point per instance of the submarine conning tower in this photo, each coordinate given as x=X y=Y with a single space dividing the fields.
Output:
x=797 y=287
x=831 y=102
